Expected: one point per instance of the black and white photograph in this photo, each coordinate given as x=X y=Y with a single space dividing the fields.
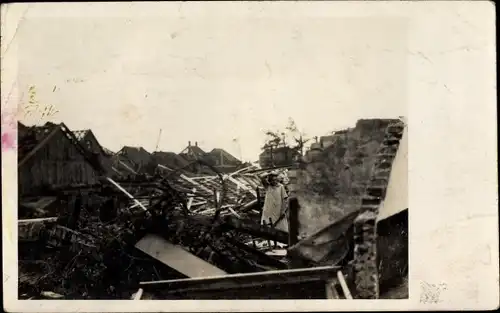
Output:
x=179 y=151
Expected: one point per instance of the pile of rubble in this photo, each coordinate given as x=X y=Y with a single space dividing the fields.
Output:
x=173 y=236
x=92 y=251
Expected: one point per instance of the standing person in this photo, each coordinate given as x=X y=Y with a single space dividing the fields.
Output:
x=275 y=203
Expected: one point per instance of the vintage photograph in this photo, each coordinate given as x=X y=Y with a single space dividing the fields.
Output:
x=203 y=156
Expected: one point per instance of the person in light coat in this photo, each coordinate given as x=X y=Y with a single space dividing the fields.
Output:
x=275 y=203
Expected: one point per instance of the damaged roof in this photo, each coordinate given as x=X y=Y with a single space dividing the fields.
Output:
x=107 y=151
x=193 y=151
x=226 y=157
x=80 y=134
x=138 y=155
x=32 y=137
x=169 y=159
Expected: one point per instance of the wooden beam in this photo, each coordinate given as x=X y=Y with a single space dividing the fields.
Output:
x=343 y=284
x=37 y=220
x=241 y=170
x=241 y=185
x=127 y=167
x=234 y=212
x=248 y=205
x=176 y=257
x=293 y=230
x=254 y=229
x=138 y=294
x=126 y=193
x=190 y=201
x=195 y=183
x=245 y=280
x=331 y=292
x=39 y=146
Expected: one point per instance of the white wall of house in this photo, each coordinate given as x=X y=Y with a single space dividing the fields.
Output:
x=396 y=199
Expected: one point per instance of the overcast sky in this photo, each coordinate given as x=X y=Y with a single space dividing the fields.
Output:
x=200 y=77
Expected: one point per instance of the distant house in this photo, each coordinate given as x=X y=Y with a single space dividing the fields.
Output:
x=48 y=159
x=122 y=166
x=88 y=140
x=314 y=152
x=278 y=156
x=192 y=154
x=326 y=141
x=137 y=156
x=169 y=159
x=223 y=160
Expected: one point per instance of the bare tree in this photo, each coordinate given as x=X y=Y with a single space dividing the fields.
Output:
x=291 y=137
x=299 y=137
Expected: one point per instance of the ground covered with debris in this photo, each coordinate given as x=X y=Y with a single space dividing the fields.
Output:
x=91 y=234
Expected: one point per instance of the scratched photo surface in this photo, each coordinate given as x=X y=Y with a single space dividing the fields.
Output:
x=248 y=151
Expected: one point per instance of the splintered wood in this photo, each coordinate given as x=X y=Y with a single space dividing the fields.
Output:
x=234 y=195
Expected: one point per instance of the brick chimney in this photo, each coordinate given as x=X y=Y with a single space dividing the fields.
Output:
x=196 y=143
x=189 y=143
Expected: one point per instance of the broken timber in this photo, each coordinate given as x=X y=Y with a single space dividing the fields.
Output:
x=238 y=286
x=176 y=257
x=252 y=228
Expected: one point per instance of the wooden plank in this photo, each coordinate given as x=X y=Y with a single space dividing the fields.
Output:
x=254 y=229
x=343 y=284
x=241 y=170
x=199 y=203
x=293 y=218
x=245 y=280
x=248 y=181
x=138 y=294
x=39 y=146
x=176 y=257
x=331 y=292
x=242 y=186
x=196 y=183
x=37 y=220
x=190 y=201
x=126 y=193
x=234 y=212
x=248 y=205
x=210 y=178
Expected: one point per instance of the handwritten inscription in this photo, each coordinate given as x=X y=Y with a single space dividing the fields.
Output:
x=42 y=110
x=36 y=109
x=430 y=293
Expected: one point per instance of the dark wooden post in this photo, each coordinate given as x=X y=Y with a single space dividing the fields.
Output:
x=270 y=225
x=259 y=200
x=216 y=199
x=293 y=227
x=75 y=208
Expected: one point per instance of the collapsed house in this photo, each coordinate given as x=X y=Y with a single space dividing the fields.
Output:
x=87 y=138
x=49 y=159
x=192 y=236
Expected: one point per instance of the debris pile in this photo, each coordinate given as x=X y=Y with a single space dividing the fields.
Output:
x=90 y=251
x=98 y=232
